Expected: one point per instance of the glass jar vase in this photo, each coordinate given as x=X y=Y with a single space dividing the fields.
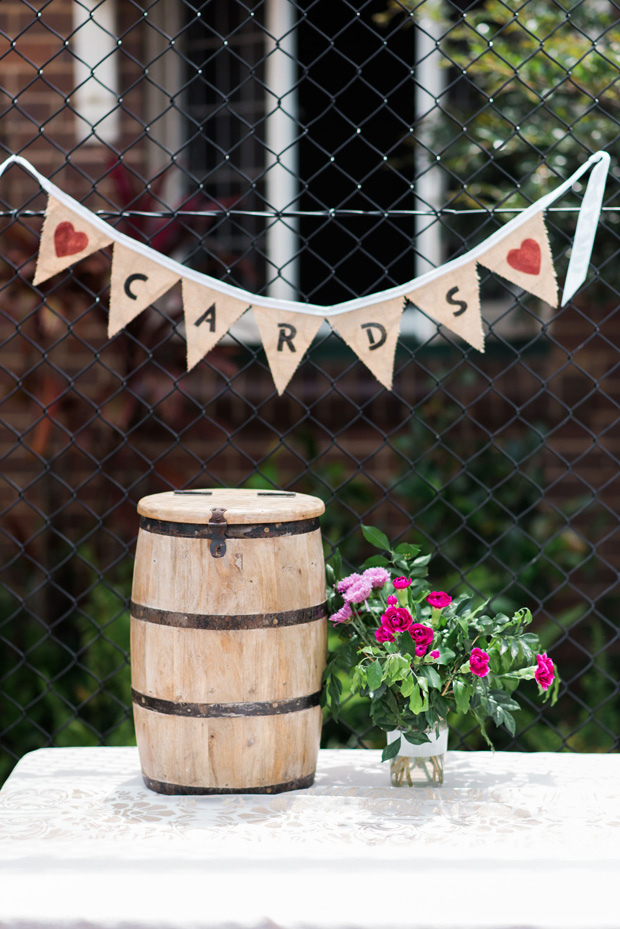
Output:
x=419 y=765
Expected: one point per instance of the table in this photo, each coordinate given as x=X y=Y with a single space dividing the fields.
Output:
x=509 y=840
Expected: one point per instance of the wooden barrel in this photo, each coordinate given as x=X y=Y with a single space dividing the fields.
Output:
x=228 y=640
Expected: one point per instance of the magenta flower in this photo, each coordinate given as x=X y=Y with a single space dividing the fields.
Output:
x=378 y=577
x=421 y=650
x=358 y=592
x=346 y=582
x=396 y=619
x=342 y=615
x=392 y=600
x=438 y=599
x=479 y=662
x=434 y=653
x=383 y=634
x=421 y=635
x=545 y=672
x=401 y=582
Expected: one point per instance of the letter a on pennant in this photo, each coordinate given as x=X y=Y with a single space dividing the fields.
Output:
x=209 y=315
x=136 y=283
x=524 y=257
x=454 y=301
x=66 y=238
x=286 y=336
x=372 y=332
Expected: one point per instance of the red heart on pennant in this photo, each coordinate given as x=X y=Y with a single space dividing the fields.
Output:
x=527 y=258
x=67 y=241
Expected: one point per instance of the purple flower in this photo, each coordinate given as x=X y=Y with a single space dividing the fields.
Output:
x=358 y=592
x=438 y=599
x=383 y=634
x=396 y=619
x=401 y=582
x=435 y=653
x=344 y=613
x=392 y=600
x=420 y=650
x=346 y=582
x=421 y=635
x=378 y=577
x=545 y=672
x=479 y=662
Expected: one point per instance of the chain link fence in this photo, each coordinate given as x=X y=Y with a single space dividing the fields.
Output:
x=309 y=151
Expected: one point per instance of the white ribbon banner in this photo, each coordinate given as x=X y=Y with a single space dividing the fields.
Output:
x=519 y=251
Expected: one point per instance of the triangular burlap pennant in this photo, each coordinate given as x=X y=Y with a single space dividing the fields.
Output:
x=372 y=332
x=66 y=238
x=208 y=316
x=286 y=336
x=524 y=257
x=454 y=301
x=136 y=283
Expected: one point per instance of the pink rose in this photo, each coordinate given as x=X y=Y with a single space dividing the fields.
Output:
x=344 y=613
x=397 y=619
x=421 y=635
x=392 y=600
x=378 y=577
x=438 y=599
x=479 y=662
x=401 y=582
x=358 y=592
x=435 y=653
x=347 y=582
x=545 y=672
x=383 y=635
x=420 y=650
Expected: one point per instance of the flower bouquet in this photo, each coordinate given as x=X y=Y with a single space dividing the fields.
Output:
x=418 y=653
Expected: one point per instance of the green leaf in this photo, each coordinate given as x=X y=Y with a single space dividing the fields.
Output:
x=446 y=655
x=510 y=724
x=406 y=644
x=422 y=561
x=375 y=561
x=376 y=538
x=416 y=737
x=416 y=702
x=406 y=687
x=405 y=548
x=391 y=750
x=374 y=675
x=431 y=675
x=461 y=695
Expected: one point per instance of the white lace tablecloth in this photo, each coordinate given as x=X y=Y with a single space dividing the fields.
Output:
x=510 y=840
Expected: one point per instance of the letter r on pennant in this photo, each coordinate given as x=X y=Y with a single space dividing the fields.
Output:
x=285 y=336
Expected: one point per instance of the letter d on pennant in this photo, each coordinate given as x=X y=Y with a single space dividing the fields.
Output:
x=373 y=342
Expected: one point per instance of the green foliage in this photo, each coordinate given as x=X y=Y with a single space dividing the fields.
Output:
x=407 y=687
x=66 y=681
x=542 y=78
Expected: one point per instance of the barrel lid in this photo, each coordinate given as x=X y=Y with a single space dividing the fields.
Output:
x=243 y=507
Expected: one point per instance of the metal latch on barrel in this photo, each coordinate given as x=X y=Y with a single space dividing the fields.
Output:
x=218 y=535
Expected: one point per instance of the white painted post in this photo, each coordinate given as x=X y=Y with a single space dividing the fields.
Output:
x=94 y=44
x=430 y=84
x=282 y=159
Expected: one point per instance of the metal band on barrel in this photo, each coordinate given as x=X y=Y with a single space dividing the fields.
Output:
x=225 y=710
x=233 y=531
x=163 y=787
x=182 y=620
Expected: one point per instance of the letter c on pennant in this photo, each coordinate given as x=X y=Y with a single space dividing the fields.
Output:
x=129 y=281
x=373 y=343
